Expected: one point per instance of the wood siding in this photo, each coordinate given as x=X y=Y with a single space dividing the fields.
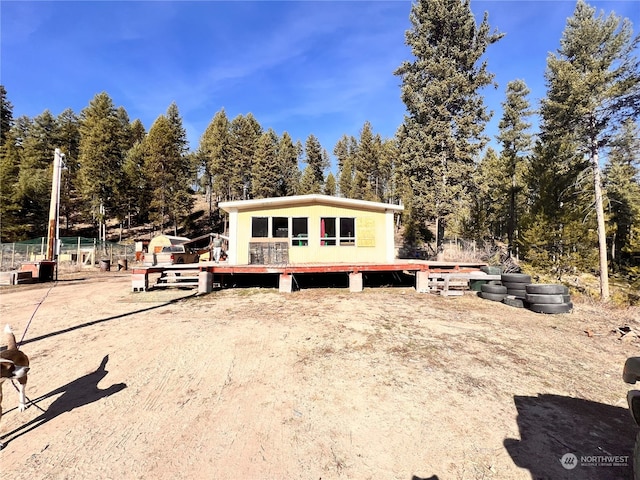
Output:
x=373 y=240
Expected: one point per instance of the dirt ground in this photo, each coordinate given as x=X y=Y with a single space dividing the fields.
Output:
x=317 y=384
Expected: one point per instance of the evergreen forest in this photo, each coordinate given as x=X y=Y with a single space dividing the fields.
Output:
x=562 y=196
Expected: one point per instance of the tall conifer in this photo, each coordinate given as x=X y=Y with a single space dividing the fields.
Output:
x=287 y=162
x=168 y=170
x=100 y=159
x=35 y=177
x=266 y=174
x=345 y=152
x=442 y=131
x=244 y=134
x=622 y=185
x=69 y=143
x=215 y=150
x=516 y=143
x=593 y=86
x=316 y=159
x=9 y=171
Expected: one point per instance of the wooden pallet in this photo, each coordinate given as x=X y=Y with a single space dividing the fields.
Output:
x=452 y=284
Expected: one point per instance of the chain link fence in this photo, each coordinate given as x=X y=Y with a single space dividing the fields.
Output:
x=76 y=252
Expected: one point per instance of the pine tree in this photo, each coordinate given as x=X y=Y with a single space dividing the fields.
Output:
x=345 y=151
x=442 y=133
x=178 y=133
x=69 y=143
x=387 y=182
x=266 y=173
x=309 y=182
x=559 y=193
x=35 y=177
x=486 y=219
x=330 y=185
x=593 y=85
x=181 y=200
x=135 y=191
x=101 y=159
x=138 y=132
x=632 y=249
x=215 y=150
x=159 y=153
x=138 y=194
x=366 y=165
x=516 y=144
x=287 y=159
x=6 y=115
x=9 y=171
x=12 y=224
x=317 y=161
x=244 y=134
x=167 y=170
x=622 y=185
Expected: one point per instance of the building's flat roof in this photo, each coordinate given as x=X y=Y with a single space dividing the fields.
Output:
x=298 y=200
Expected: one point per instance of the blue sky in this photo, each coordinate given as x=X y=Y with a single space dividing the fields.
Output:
x=304 y=67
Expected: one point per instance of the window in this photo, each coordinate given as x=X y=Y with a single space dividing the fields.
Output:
x=327 y=231
x=259 y=227
x=347 y=231
x=280 y=227
x=300 y=232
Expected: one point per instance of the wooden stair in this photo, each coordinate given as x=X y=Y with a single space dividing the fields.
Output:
x=178 y=278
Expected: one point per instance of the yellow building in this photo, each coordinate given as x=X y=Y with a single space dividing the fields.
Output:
x=310 y=229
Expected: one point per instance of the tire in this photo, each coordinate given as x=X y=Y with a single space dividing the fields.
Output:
x=513 y=302
x=496 y=297
x=515 y=285
x=516 y=278
x=551 y=307
x=547 y=289
x=518 y=293
x=548 y=299
x=493 y=288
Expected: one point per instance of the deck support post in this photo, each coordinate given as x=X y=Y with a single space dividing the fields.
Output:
x=139 y=282
x=422 y=281
x=355 y=282
x=205 y=282
x=286 y=283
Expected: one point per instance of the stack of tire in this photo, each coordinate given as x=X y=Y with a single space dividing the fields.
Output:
x=548 y=298
x=489 y=291
x=516 y=290
x=516 y=285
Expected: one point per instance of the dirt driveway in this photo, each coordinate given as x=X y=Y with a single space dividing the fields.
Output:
x=317 y=384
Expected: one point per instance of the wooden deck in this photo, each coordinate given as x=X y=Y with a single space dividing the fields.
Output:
x=429 y=274
x=400 y=265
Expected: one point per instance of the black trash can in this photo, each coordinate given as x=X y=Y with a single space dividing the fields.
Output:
x=105 y=265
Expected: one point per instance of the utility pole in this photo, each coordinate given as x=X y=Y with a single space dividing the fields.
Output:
x=53 y=237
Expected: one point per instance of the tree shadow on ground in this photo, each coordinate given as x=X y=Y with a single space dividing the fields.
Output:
x=554 y=425
x=102 y=320
x=78 y=393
